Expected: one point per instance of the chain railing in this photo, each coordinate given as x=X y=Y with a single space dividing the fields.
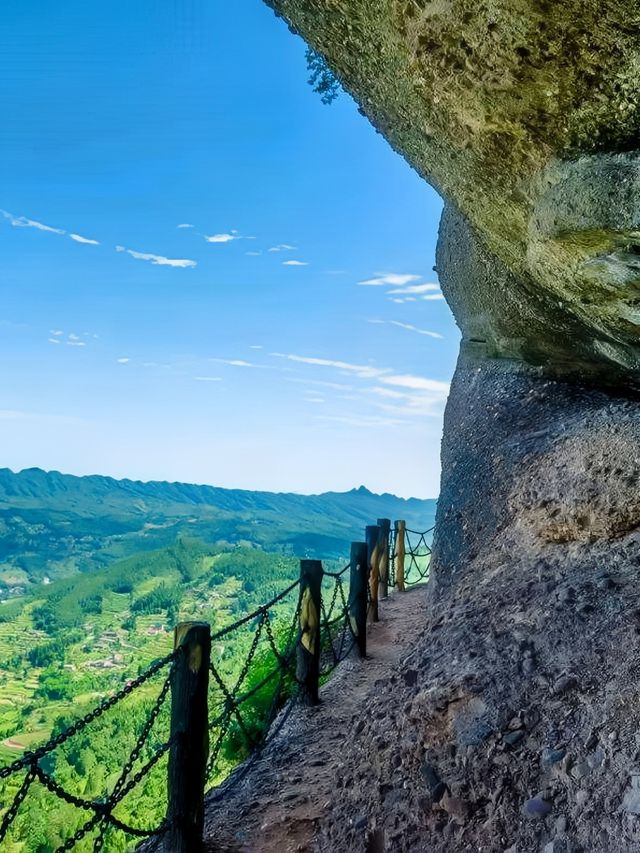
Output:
x=415 y=556
x=291 y=645
x=101 y=811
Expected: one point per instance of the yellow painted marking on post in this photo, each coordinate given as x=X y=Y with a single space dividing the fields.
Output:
x=309 y=621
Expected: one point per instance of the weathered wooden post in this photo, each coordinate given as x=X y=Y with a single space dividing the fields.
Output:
x=190 y=733
x=383 y=549
x=308 y=656
x=358 y=582
x=372 y=536
x=400 y=530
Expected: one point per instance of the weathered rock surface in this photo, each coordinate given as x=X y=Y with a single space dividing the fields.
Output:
x=525 y=114
x=521 y=730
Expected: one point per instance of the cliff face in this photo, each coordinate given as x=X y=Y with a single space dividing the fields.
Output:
x=525 y=115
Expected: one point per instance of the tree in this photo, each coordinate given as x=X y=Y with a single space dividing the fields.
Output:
x=321 y=78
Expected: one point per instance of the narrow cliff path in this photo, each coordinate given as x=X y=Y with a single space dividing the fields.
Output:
x=279 y=804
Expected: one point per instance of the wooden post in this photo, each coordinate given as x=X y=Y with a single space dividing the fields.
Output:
x=190 y=730
x=372 y=536
x=308 y=660
x=400 y=529
x=383 y=549
x=358 y=595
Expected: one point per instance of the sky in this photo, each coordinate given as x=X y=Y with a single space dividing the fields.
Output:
x=206 y=274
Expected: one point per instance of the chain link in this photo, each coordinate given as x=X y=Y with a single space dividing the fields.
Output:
x=30 y=757
x=102 y=816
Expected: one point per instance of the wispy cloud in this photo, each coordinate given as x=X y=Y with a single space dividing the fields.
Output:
x=208 y=378
x=159 y=260
x=316 y=400
x=402 y=394
x=335 y=386
x=433 y=297
x=416 y=288
x=227 y=237
x=256 y=346
x=416 y=383
x=87 y=240
x=184 y=225
x=253 y=254
x=409 y=328
x=24 y=222
x=389 y=278
x=282 y=247
x=72 y=340
x=235 y=362
x=123 y=360
x=364 y=371
x=361 y=420
x=295 y=264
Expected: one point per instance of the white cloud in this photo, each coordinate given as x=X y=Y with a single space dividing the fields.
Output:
x=336 y=386
x=256 y=346
x=86 y=240
x=316 y=400
x=160 y=260
x=75 y=343
x=365 y=371
x=295 y=264
x=282 y=247
x=56 y=332
x=409 y=327
x=415 y=288
x=23 y=222
x=387 y=392
x=432 y=297
x=208 y=378
x=419 y=397
x=222 y=238
x=389 y=278
x=184 y=225
x=54 y=340
x=234 y=362
x=253 y=254
x=123 y=360
x=361 y=421
x=416 y=383
x=73 y=337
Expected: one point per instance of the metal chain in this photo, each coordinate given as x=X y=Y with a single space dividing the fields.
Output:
x=137 y=749
x=30 y=757
x=12 y=811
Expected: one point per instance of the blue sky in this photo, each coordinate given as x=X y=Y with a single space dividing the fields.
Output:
x=201 y=353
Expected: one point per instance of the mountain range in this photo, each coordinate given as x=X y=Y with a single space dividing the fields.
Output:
x=55 y=525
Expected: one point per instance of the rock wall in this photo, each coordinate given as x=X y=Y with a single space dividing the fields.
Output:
x=520 y=728
x=525 y=114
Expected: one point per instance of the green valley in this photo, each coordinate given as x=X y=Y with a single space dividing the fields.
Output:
x=95 y=573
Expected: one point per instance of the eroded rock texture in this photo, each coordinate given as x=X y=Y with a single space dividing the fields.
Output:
x=525 y=114
x=522 y=731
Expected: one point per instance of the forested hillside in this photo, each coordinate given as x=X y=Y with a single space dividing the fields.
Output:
x=56 y=525
x=95 y=573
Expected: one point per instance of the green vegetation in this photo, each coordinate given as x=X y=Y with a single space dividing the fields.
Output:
x=94 y=575
x=75 y=642
x=321 y=78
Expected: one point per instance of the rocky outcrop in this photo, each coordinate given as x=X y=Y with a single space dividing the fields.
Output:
x=525 y=115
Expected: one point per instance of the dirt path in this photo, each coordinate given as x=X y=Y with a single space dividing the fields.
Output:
x=281 y=801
